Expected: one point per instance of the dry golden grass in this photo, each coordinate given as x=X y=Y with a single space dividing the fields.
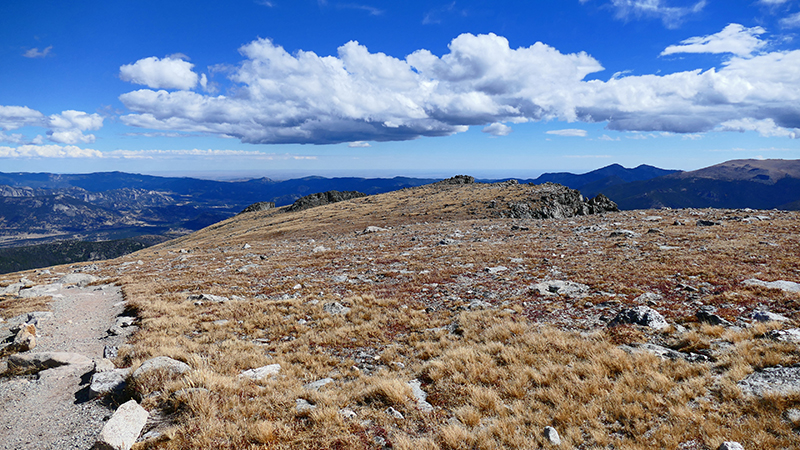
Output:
x=496 y=375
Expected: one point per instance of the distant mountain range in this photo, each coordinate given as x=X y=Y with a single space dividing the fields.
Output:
x=41 y=207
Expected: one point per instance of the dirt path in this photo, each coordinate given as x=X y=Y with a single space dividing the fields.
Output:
x=52 y=410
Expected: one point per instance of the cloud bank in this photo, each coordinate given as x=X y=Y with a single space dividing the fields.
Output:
x=358 y=95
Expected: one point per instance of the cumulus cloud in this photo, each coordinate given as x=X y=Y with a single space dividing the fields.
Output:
x=734 y=38
x=765 y=127
x=172 y=72
x=791 y=21
x=670 y=16
x=497 y=129
x=358 y=95
x=569 y=132
x=13 y=117
x=363 y=96
x=48 y=151
x=68 y=127
x=35 y=53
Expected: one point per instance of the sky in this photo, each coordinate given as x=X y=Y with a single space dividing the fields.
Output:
x=288 y=88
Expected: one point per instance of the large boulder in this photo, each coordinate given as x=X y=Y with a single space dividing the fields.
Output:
x=108 y=382
x=772 y=380
x=161 y=363
x=79 y=279
x=641 y=315
x=124 y=427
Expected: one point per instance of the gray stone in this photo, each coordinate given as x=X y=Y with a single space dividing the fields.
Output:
x=663 y=352
x=641 y=315
x=624 y=234
x=12 y=289
x=787 y=286
x=395 y=413
x=791 y=335
x=420 y=396
x=792 y=415
x=495 y=270
x=772 y=380
x=210 y=298
x=479 y=304
x=648 y=297
x=731 y=445
x=707 y=223
x=79 y=279
x=35 y=362
x=706 y=314
x=373 y=229
x=109 y=382
x=340 y=278
x=316 y=385
x=335 y=308
x=319 y=249
x=124 y=427
x=347 y=413
x=303 y=406
x=110 y=351
x=558 y=287
x=103 y=365
x=161 y=363
x=766 y=316
x=551 y=435
x=25 y=339
x=262 y=372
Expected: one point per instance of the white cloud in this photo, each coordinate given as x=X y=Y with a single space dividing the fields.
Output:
x=13 y=117
x=772 y=2
x=734 y=38
x=171 y=72
x=357 y=95
x=497 y=129
x=791 y=21
x=68 y=127
x=359 y=144
x=569 y=132
x=671 y=16
x=606 y=137
x=35 y=53
x=15 y=138
x=765 y=127
x=48 y=151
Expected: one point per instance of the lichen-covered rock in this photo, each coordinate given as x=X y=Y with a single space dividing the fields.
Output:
x=124 y=427
x=641 y=315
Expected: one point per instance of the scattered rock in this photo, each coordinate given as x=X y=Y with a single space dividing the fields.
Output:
x=766 y=316
x=648 y=297
x=448 y=241
x=161 y=363
x=641 y=315
x=551 y=435
x=664 y=352
x=624 y=234
x=261 y=372
x=707 y=223
x=124 y=427
x=791 y=335
x=347 y=414
x=316 y=385
x=479 y=304
x=495 y=270
x=39 y=291
x=372 y=229
x=731 y=445
x=25 y=339
x=787 y=286
x=706 y=314
x=557 y=287
x=110 y=351
x=36 y=362
x=108 y=382
x=458 y=179
x=319 y=249
x=395 y=413
x=303 y=406
x=103 y=365
x=420 y=396
x=335 y=308
x=792 y=415
x=773 y=380
x=199 y=299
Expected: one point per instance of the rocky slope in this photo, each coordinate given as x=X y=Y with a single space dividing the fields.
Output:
x=453 y=317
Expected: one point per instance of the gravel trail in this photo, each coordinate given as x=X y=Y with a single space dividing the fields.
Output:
x=52 y=410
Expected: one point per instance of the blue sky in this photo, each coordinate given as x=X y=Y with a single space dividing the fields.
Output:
x=287 y=88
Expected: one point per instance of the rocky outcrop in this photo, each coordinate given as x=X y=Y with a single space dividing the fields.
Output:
x=260 y=206
x=36 y=362
x=641 y=315
x=323 y=198
x=554 y=201
x=456 y=180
